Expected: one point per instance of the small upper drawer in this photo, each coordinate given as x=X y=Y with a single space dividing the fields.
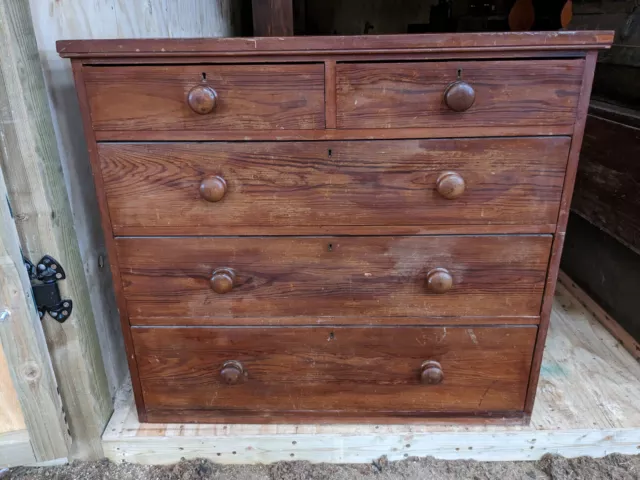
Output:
x=487 y=93
x=208 y=97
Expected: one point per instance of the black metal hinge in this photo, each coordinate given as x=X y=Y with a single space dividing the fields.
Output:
x=46 y=293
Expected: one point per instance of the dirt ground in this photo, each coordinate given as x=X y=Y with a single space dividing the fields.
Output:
x=618 y=467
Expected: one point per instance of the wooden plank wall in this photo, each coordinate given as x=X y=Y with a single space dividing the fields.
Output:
x=23 y=341
x=40 y=207
x=604 y=226
x=54 y=20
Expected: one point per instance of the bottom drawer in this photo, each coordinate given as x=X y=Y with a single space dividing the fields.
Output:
x=262 y=375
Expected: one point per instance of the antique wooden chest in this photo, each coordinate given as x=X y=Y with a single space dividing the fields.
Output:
x=335 y=229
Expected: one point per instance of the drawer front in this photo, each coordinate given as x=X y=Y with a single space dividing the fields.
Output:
x=504 y=93
x=333 y=371
x=188 y=278
x=155 y=189
x=246 y=97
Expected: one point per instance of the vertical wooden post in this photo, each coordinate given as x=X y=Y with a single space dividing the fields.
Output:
x=25 y=347
x=36 y=190
x=272 y=18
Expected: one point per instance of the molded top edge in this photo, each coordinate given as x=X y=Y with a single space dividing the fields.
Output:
x=363 y=44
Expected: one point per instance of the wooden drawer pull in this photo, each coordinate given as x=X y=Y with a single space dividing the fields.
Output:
x=232 y=372
x=439 y=280
x=450 y=185
x=431 y=373
x=459 y=96
x=222 y=280
x=213 y=189
x=202 y=99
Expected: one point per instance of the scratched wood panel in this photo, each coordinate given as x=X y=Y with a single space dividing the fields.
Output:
x=508 y=93
x=154 y=188
x=336 y=276
x=248 y=97
x=333 y=371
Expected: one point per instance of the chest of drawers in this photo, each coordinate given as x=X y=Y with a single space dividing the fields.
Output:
x=339 y=229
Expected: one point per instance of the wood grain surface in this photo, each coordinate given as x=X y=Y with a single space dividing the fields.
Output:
x=507 y=93
x=272 y=18
x=249 y=97
x=333 y=371
x=334 y=276
x=448 y=43
x=153 y=189
x=559 y=237
x=11 y=418
x=606 y=192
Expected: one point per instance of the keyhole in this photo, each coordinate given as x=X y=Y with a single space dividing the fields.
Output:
x=330 y=247
x=459 y=73
x=331 y=336
x=329 y=152
x=204 y=77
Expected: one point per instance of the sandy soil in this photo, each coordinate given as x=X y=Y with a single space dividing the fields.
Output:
x=618 y=467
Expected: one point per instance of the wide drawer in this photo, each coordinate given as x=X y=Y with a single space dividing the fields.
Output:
x=246 y=97
x=266 y=187
x=264 y=374
x=212 y=280
x=507 y=93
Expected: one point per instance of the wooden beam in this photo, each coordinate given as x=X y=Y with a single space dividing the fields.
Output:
x=272 y=18
x=36 y=190
x=24 y=345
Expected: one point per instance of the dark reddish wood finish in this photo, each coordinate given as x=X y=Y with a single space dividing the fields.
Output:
x=558 y=240
x=334 y=276
x=507 y=93
x=78 y=75
x=247 y=97
x=154 y=188
x=347 y=371
x=202 y=99
x=275 y=91
x=459 y=96
x=496 y=44
x=272 y=18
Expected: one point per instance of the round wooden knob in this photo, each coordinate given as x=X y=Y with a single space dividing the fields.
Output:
x=459 y=96
x=212 y=189
x=431 y=373
x=450 y=185
x=232 y=372
x=439 y=280
x=202 y=99
x=222 y=280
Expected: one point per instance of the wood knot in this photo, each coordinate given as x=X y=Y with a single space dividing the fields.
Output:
x=31 y=372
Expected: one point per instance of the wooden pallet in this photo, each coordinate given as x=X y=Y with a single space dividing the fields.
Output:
x=588 y=403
